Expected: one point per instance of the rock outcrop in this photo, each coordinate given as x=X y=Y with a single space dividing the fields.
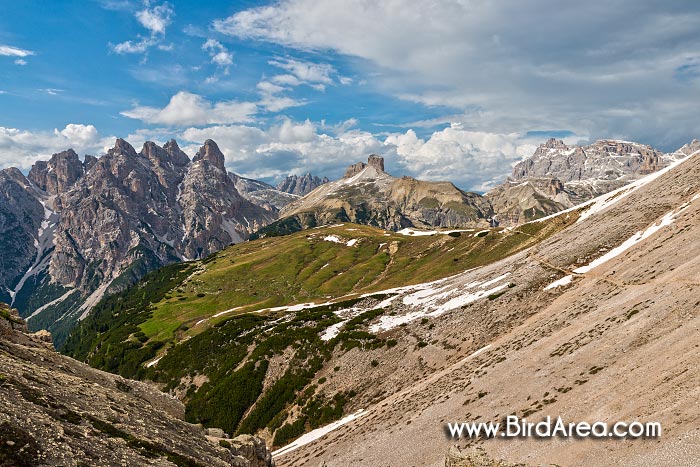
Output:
x=604 y=160
x=558 y=176
x=56 y=411
x=262 y=194
x=83 y=229
x=301 y=185
x=59 y=173
x=373 y=160
x=369 y=195
x=475 y=457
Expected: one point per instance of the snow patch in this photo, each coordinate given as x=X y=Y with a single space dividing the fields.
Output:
x=564 y=281
x=666 y=220
x=318 y=433
x=153 y=363
x=436 y=298
x=424 y=233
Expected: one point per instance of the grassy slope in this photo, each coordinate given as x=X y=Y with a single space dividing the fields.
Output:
x=233 y=352
x=303 y=267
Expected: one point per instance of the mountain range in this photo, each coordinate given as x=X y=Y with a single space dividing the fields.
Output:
x=81 y=229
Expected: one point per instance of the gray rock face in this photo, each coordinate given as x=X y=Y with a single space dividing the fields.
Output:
x=558 y=176
x=379 y=199
x=20 y=218
x=515 y=202
x=604 y=160
x=89 y=162
x=109 y=221
x=262 y=194
x=59 y=173
x=210 y=153
x=214 y=214
x=56 y=411
x=301 y=185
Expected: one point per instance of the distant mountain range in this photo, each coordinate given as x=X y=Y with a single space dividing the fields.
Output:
x=78 y=230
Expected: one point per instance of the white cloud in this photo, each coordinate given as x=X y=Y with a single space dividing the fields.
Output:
x=156 y=19
x=21 y=148
x=306 y=71
x=288 y=147
x=186 y=108
x=20 y=62
x=51 y=91
x=510 y=66
x=130 y=47
x=270 y=99
x=218 y=53
x=9 y=51
x=472 y=160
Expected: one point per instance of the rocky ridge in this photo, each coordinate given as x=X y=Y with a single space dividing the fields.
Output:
x=84 y=229
x=368 y=195
x=301 y=185
x=262 y=194
x=558 y=176
x=56 y=411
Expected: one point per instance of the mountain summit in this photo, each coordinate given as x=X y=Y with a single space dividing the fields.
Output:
x=89 y=228
x=369 y=195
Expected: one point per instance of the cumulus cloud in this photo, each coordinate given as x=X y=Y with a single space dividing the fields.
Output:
x=472 y=160
x=272 y=101
x=218 y=53
x=186 y=108
x=156 y=21
x=284 y=148
x=306 y=72
x=21 y=148
x=511 y=66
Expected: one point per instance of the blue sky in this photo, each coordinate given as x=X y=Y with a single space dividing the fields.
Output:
x=445 y=89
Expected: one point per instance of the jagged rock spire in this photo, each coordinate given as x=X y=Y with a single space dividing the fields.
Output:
x=210 y=152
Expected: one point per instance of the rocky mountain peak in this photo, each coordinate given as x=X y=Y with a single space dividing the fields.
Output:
x=59 y=173
x=553 y=143
x=210 y=152
x=301 y=184
x=15 y=174
x=375 y=161
x=89 y=162
x=609 y=160
x=154 y=152
x=123 y=147
x=690 y=148
x=176 y=154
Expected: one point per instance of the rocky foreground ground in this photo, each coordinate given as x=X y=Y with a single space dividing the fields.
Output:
x=56 y=411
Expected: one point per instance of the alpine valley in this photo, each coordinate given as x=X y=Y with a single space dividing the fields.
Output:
x=345 y=322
